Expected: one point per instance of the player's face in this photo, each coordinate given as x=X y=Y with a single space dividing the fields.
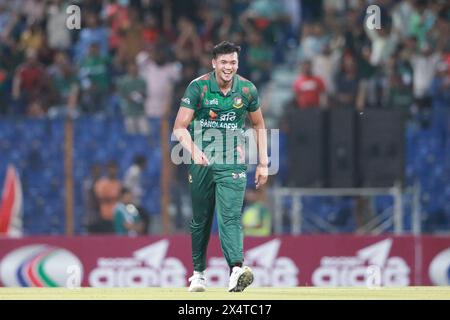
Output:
x=226 y=66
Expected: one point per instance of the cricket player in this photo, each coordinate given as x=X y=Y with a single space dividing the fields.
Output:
x=220 y=101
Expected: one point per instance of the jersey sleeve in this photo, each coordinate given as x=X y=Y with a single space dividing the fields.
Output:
x=253 y=102
x=191 y=96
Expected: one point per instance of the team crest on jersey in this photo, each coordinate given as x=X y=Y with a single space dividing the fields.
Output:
x=238 y=103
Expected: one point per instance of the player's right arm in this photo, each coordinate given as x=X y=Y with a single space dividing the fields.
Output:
x=183 y=120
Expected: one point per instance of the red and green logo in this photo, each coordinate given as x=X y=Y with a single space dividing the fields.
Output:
x=38 y=265
x=212 y=114
x=237 y=103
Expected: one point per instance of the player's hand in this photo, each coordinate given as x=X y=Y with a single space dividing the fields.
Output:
x=200 y=158
x=261 y=175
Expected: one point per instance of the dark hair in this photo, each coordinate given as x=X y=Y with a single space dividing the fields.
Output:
x=225 y=47
x=140 y=160
x=124 y=191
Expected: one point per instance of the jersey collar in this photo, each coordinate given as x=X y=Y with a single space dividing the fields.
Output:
x=215 y=86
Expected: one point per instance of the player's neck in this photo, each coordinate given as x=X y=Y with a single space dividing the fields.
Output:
x=224 y=87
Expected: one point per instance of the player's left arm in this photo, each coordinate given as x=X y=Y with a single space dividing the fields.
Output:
x=262 y=170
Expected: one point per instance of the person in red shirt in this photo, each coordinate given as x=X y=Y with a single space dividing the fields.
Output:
x=29 y=83
x=309 y=90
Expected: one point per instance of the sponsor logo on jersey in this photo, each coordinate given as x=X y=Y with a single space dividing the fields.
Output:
x=190 y=178
x=238 y=103
x=238 y=175
x=212 y=114
x=229 y=116
x=186 y=100
x=207 y=123
x=213 y=102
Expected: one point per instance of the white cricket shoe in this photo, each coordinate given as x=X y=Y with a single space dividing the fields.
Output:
x=198 y=282
x=240 y=279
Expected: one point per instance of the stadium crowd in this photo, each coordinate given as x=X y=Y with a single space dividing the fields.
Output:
x=151 y=48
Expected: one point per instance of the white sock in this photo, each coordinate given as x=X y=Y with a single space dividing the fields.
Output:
x=236 y=267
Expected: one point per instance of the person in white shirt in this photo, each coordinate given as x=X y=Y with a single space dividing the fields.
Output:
x=133 y=178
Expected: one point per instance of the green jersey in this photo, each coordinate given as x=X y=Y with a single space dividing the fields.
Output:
x=132 y=92
x=219 y=119
x=125 y=213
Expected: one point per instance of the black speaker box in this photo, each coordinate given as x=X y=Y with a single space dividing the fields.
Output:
x=381 y=147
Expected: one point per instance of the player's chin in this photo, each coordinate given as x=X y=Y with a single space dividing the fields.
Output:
x=227 y=77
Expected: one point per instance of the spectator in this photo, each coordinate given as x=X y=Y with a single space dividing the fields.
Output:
x=421 y=21
x=312 y=40
x=259 y=58
x=107 y=190
x=401 y=15
x=7 y=21
x=397 y=89
x=208 y=25
x=130 y=43
x=150 y=31
x=33 y=10
x=127 y=220
x=134 y=181
x=347 y=84
x=118 y=19
x=28 y=83
x=160 y=74
x=92 y=219
x=309 y=89
x=93 y=32
x=325 y=65
x=132 y=90
x=383 y=44
x=94 y=80
x=133 y=178
x=64 y=82
x=424 y=68
x=225 y=28
x=256 y=218
x=399 y=95
x=188 y=44
x=32 y=38
x=265 y=17
x=58 y=34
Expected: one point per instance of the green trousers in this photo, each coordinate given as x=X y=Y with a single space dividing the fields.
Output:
x=221 y=187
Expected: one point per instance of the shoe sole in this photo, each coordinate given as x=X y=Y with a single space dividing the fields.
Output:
x=197 y=289
x=245 y=279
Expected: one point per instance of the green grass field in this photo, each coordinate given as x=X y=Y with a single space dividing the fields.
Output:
x=298 y=293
